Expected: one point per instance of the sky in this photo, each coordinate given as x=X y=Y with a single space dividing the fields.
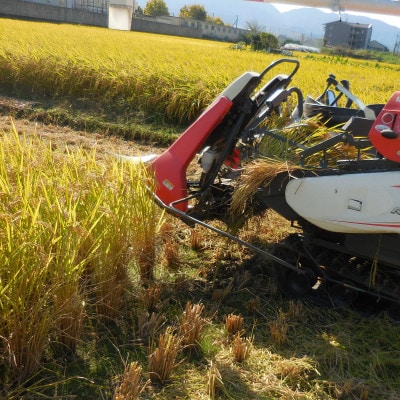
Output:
x=395 y=21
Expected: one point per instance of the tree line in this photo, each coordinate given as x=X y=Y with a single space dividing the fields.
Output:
x=254 y=37
x=158 y=8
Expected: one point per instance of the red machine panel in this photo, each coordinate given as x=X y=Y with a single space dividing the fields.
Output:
x=385 y=132
x=169 y=169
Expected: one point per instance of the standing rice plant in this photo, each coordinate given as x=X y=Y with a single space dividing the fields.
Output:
x=66 y=238
x=126 y=224
x=37 y=281
x=170 y=76
x=72 y=245
x=145 y=229
x=114 y=231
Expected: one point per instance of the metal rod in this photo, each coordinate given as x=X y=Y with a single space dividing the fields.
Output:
x=234 y=238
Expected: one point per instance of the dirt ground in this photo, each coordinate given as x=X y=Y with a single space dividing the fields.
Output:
x=64 y=136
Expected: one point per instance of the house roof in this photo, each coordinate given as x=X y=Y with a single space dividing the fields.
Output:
x=354 y=24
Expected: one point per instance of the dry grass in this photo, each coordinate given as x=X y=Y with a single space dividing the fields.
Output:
x=241 y=348
x=215 y=385
x=234 y=324
x=149 y=325
x=219 y=294
x=278 y=329
x=196 y=240
x=296 y=310
x=351 y=388
x=253 y=305
x=163 y=359
x=171 y=254
x=152 y=296
x=191 y=325
x=132 y=384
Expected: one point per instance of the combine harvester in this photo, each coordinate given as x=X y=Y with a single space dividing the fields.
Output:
x=347 y=211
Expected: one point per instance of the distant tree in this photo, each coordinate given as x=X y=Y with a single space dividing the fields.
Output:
x=215 y=20
x=252 y=36
x=156 y=8
x=269 y=41
x=258 y=39
x=254 y=27
x=195 y=11
x=139 y=11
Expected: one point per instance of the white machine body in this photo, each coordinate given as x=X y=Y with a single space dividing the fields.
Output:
x=353 y=203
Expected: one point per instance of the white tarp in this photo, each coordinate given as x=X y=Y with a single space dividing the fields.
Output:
x=120 y=14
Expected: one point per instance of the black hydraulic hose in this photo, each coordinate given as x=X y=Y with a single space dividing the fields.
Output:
x=228 y=145
x=362 y=290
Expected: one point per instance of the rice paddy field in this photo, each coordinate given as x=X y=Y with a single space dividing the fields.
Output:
x=102 y=296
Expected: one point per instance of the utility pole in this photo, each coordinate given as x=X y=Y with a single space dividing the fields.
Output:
x=396 y=45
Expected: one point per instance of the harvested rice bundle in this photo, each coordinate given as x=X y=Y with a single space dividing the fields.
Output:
x=293 y=138
x=255 y=176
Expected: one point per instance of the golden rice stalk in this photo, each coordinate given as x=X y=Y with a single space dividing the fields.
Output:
x=171 y=253
x=234 y=324
x=196 y=240
x=278 y=329
x=69 y=326
x=255 y=175
x=219 y=294
x=192 y=324
x=162 y=359
x=149 y=325
x=241 y=348
x=215 y=383
x=132 y=383
x=296 y=310
x=152 y=297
